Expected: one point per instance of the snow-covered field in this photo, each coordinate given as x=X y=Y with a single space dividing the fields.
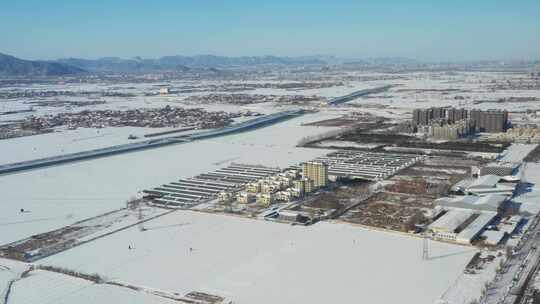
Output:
x=253 y=261
x=46 y=287
x=58 y=196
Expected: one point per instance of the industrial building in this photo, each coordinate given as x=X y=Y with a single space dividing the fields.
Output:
x=485 y=185
x=461 y=225
x=365 y=165
x=464 y=218
x=488 y=203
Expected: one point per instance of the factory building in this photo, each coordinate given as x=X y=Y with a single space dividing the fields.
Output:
x=485 y=185
x=317 y=172
x=466 y=217
x=488 y=203
x=461 y=225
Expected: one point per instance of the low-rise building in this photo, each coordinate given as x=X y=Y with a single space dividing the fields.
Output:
x=293 y=216
x=461 y=225
x=225 y=197
x=253 y=187
x=245 y=197
x=471 y=231
x=284 y=196
x=493 y=237
x=485 y=185
x=489 y=203
x=265 y=199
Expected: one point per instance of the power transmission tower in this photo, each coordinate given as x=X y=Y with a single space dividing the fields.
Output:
x=425 y=247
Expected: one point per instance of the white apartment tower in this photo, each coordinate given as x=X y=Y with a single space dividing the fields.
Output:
x=317 y=172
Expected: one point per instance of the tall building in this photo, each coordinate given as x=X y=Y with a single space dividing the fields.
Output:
x=456 y=115
x=491 y=121
x=426 y=116
x=317 y=172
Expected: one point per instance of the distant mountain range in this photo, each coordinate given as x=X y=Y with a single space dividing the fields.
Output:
x=12 y=66
x=182 y=63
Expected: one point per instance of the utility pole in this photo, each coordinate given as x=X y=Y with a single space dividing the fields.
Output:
x=140 y=218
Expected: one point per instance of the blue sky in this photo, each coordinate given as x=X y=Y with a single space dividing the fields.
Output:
x=428 y=30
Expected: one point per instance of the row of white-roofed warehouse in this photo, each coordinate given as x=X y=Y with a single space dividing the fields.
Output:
x=366 y=165
x=186 y=193
x=479 y=202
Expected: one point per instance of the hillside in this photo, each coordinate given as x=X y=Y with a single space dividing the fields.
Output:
x=13 y=66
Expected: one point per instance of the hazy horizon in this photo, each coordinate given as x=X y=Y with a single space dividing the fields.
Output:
x=421 y=30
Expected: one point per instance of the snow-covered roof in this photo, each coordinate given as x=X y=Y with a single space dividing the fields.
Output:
x=490 y=202
x=503 y=164
x=484 y=181
x=472 y=230
x=451 y=220
x=493 y=237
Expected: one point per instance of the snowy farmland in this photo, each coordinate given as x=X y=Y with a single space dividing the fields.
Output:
x=247 y=261
x=58 y=196
x=261 y=262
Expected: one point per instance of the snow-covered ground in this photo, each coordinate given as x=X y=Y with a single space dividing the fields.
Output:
x=468 y=287
x=245 y=260
x=61 y=195
x=517 y=152
x=46 y=287
x=252 y=261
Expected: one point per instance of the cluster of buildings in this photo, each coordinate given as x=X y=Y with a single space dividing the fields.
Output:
x=452 y=123
x=284 y=186
x=243 y=99
x=153 y=118
x=447 y=131
x=525 y=134
x=478 y=210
